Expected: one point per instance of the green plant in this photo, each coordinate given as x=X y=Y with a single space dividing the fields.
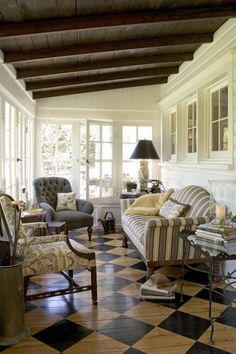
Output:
x=226 y=224
x=131 y=185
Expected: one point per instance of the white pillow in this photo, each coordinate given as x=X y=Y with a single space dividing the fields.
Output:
x=172 y=209
x=66 y=201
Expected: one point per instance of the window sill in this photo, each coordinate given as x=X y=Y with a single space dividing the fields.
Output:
x=211 y=165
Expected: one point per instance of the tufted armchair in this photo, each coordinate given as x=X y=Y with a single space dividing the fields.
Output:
x=47 y=254
x=46 y=189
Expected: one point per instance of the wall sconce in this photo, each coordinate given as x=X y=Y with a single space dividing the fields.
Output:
x=144 y=151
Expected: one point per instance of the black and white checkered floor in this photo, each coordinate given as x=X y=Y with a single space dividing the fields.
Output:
x=120 y=323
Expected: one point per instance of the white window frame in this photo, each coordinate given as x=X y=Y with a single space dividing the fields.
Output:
x=171 y=112
x=217 y=155
x=189 y=156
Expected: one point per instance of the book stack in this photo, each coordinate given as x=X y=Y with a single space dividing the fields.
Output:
x=154 y=289
x=216 y=235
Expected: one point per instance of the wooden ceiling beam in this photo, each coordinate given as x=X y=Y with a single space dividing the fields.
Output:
x=31 y=28
x=109 y=46
x=71 y=81
x=103 y=64
x=99 y=87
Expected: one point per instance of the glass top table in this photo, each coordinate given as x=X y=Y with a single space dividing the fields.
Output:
x=214 y=253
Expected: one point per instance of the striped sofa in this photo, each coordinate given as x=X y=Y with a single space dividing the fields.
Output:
x=158 y=239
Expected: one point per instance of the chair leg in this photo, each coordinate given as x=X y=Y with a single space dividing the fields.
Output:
x=90 y=230
x=125 y=242
x=94 y=284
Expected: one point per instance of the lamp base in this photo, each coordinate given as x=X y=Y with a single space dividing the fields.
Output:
x=143 y=175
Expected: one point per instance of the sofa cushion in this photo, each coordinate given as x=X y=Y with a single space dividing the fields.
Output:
x=172 y=209
x=196 y=197
x=149 y=204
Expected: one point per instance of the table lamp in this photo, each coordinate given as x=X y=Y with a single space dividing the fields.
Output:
x=144 y=151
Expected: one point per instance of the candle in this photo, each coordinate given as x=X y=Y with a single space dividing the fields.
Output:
x=220 y=211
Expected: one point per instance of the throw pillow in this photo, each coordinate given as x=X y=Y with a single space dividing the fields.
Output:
x=172 y=209
x=66 y=201
x=186 y=206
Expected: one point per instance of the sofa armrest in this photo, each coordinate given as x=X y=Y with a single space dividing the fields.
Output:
x=162 y=239
x=126 y=203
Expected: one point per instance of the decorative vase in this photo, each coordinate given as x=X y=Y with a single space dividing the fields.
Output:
x=12 y=323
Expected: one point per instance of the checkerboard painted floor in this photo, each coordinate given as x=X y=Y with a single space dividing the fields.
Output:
x=120 y=323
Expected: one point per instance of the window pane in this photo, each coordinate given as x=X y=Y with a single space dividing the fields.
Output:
x=190 y=141
x=129 y=134
x=194 y=140
x=144 y=133
x=49 y=168
x=107 y=133
x=224 y=102
x=130 y=171
x=215 y=139
x=215 y=105
x=94 y=132
x=94 y=180
x=173 y=122
x=173 y=143
x=224 y=135
x=190 y=115
x=128 y=150
x=107 y=151
x=106 y=179
x=194 y=114
x=94 y=151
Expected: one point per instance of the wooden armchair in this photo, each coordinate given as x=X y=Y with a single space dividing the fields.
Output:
x=46 y=254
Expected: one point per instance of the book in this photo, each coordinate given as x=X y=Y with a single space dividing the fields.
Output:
x=216 y=231
x=151 y=289
x=217 y=228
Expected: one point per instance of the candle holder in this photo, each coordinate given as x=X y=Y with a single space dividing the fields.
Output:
x=222 y=200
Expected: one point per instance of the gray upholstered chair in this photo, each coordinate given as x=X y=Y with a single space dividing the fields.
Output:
x=46 y=189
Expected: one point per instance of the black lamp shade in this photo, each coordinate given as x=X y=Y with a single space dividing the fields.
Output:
x=145 y=150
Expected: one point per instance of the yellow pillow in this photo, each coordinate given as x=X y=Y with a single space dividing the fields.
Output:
x=149 y=204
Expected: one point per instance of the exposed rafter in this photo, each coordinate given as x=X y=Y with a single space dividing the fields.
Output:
x=109 y=46
x=102 y=21
x=71 y=81
x=99 y=87
x=104 y=64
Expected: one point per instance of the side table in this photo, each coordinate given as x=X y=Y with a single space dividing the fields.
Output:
x=214 y=255
x=28 y=216
x=57 y=227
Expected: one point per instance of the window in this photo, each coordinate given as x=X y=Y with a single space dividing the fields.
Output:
x=17 y=155
x=192 y=127
x=100 y=160
x=173 y=132
x=10 y=149
x=219 y=119
x=130 y=136
x=56 y=150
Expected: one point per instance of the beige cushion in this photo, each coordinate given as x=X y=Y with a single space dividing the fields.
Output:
x=172 y=209
x=66 y=201
x=149 y=204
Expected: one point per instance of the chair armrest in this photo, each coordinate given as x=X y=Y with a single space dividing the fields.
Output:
x=126 y=203
x=84 y=206
x=162 y=239
x=34 y=240
x=50 y=211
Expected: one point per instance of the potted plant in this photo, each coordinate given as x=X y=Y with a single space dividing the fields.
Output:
x=12 y=324
x=131 y=185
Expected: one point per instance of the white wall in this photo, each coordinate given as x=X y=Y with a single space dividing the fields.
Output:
x=211 y=63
